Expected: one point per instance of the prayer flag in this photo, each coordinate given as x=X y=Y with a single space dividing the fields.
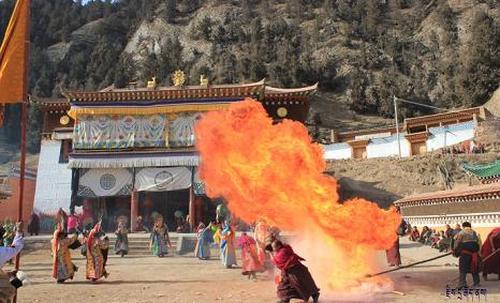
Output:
x=14 y=55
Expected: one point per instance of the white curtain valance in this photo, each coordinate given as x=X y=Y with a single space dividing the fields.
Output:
x=130 y=162
x=163 y=179
x=105 y=182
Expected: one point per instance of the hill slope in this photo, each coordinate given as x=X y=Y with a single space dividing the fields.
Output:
x=361 y=52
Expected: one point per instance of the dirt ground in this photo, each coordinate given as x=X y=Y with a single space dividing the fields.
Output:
x=145 y=279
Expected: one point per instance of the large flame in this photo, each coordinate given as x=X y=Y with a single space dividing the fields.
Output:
x=274 y=172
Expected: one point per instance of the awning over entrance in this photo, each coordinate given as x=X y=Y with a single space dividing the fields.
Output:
x=131 y=160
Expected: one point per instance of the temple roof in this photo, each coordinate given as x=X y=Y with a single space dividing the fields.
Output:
x=483 y=191
x=255 y=90
x=216 y=92
x=301 y=91
x=51 y=104
x=467 y=113
x=484 y=172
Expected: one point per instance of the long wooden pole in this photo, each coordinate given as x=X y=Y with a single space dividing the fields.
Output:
x=24 y=115
x=22 y=167
x=409 y=265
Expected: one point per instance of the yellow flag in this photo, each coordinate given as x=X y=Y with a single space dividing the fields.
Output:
x=14 y=55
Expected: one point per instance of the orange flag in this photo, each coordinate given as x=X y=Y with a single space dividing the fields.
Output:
x=14 y=55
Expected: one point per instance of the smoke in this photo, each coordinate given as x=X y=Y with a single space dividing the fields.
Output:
x=274 y=172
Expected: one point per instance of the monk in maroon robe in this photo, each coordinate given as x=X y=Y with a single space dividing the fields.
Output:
x=296 y=281
x=393 y=256
x=490 y=254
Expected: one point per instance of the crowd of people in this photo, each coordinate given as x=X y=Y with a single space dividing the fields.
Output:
x=264 y=252
x=261 y=253
x=466 y=244
x=466 y=147
x=438 y=239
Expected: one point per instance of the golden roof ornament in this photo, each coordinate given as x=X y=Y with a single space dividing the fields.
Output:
x=203 y=81
x=282 y=112
x=64 y=120
x=152 y=83
x=178 y=78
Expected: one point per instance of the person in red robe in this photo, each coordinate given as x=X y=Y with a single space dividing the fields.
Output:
x=392 y=254
x=296 y=281
x=249 y=256
x=414 y=234
x=490 y=254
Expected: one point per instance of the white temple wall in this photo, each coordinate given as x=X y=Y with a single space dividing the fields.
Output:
x=53 y=183
x=450 y=135
x=386 y=147
x=337 y=151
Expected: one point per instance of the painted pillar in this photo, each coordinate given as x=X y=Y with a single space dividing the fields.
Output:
x=192 y=208
x=199 y=210
x=134 y=209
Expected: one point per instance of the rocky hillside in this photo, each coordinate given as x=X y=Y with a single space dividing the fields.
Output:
x=361 y=52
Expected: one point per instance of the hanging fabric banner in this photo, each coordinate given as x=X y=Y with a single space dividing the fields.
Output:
x=198 y=186
x=163 y=179
x=104 y=182
x=115 y=132
x=182 y=130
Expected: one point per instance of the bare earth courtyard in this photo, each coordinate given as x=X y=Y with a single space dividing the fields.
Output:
x=180 y=279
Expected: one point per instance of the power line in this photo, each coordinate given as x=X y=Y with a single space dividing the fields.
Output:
x=419 y=104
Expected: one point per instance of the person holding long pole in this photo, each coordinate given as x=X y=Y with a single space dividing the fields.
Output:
x=8 y=282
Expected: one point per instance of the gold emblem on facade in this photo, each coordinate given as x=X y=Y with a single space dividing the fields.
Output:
x=178 y=78
x=282 y=112
x=64 y=120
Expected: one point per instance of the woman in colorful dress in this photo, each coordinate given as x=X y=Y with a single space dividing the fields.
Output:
x=250 y=259
x=121 y=244
x=62 y=266
x=159 y=238
x=261 y=233
x=204 y=239
x=74 y=223
x=227 y=250
x=95 y=258
x=62 y=219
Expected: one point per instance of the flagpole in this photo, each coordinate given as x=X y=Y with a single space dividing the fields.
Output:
x=24 y=114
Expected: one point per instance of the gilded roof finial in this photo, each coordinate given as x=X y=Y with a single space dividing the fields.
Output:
x=178 y=78
x=152 y=83
x=203 y=81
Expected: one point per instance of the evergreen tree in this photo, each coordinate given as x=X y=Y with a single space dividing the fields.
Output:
x=480 y=70
x=33 y=135
x=170 y=10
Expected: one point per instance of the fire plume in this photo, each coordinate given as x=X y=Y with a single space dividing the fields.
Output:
x=274 y=172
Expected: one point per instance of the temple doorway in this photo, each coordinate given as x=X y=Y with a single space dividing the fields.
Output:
x=205 y=209
x=109 y=209
x=165 y=203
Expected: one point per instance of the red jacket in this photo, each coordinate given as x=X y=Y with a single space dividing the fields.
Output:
x=286 y=258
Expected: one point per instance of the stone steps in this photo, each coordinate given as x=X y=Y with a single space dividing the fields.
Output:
x=140 y=246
